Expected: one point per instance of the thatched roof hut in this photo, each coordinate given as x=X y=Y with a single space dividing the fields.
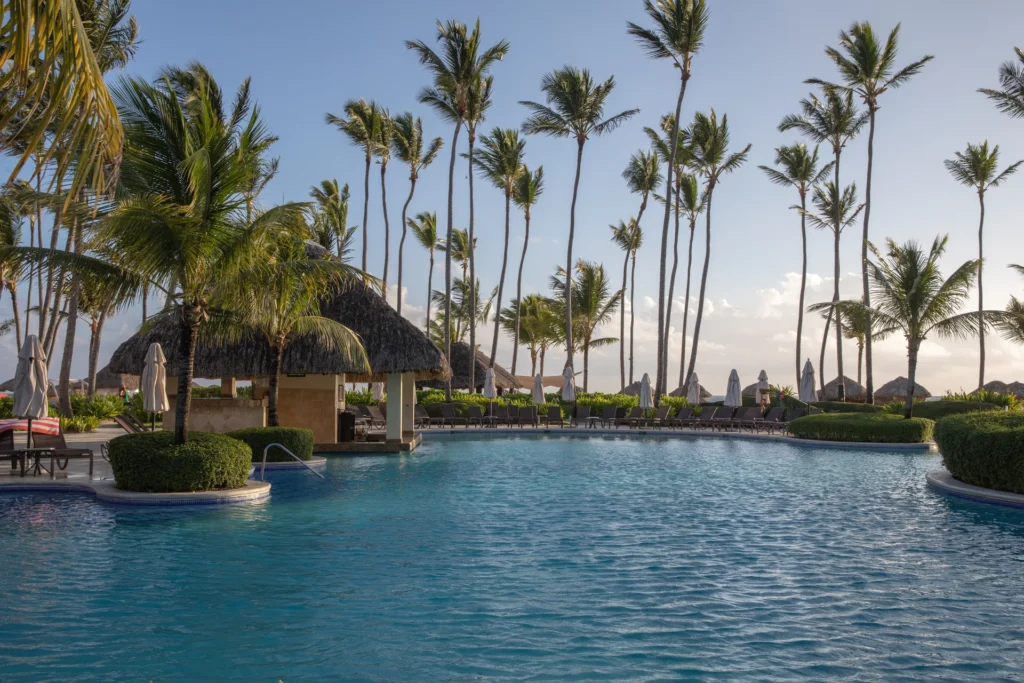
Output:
x=460 y=371
x=1015 y=388
x=854 y=390
x=392 y=344
x=632 y=390
x=108 y=380
x=681 y=391
x=897 y=390
x=997 y=387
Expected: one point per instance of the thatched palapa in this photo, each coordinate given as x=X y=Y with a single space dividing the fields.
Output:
x=460 y=371
x=1015 y=388
x=897 y=389
x=108 y=381
x=854 y=390
x=681 y=391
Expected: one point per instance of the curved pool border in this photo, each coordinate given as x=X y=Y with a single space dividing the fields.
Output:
x=105 y=491
x=316 y=462
x=944 y=482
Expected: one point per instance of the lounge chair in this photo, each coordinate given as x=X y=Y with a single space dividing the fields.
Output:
x=128 y=423
x=513 y=414
x=634 y=415
x=554 y=415
x=476 y=416
x=703 y=421
x=421 y=418
x=608 y=415
x=745 y=417
x=9 y=452
x=770 y=421
x=61 y=452
x=582 y=415
x=790 y=416
x=660 y=417
x=497 y=415
x=681 y=418
x=723 y=418
x=448 y=416
x=528 y=415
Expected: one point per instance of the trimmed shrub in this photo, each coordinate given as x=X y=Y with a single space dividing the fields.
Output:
x=150 y=462
x=874 y=428
x=840 y=407
x=984 y=449
x=79 y=423
x=298 y=441
x=936 y=410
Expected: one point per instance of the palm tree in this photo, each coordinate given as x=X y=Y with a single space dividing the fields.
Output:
x=593 y=305
x=363 y=129
x=830 y=204
x=462 y=310
x=407 y=144
x=799 y=169
x=642 y=176
x=977 y=168
x=529 y=186
x=460 y=252
x=711 y=159
x=911 y=296
x=575 y=108
x=330 y=219
x=526 y=322
x=692 y=203
x=868 y=69
x=500 y=160
x=424 y=229
x=677 y=35
x=382 y=150
x=854 y=325
x=835 y=121
x=1012 y=325
x=10 y=267
x=479 y=102
x=628 y=236
x=1009 y=100
x=457 y=70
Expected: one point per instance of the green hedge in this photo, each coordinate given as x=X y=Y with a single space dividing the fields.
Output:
x=936 y=410
x=298 y=441
x=984 y=449
x=150 y=462
x=862 y=427
x=841 y=407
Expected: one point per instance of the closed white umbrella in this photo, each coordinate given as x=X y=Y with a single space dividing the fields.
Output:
x=538 y=391
x=378 y=391
x=733 y=397
x=646 y=398
x=807 y=392
x=568 y=386
x=693 y=390
x=154 y=383
x=489 y=390
x=763 y=388
x=31 y=383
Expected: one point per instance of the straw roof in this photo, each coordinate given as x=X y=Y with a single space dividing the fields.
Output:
x=526 y=381
x=681 y=391
x=631 y=390
x=392 y=344
x=898 y=389
x=460 y=371
x=854 y=391
x=996 y=386
x=108 y=379
x=1016 y=388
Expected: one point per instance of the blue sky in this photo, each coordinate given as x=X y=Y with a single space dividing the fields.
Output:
x=311 y=58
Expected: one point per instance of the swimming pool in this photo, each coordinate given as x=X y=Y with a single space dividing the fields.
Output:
x=544 y=558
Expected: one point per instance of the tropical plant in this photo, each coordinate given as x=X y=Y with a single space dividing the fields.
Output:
x=712 y=160
x=800 y=169
x=677 y=35
x=529 y=186
x=424 y=229
x=362 y=127
x=462 y=310
x=868 y=69
x=529 y=322
x=834 y=121
x=330 y=216
x=628 y=236
x=407 y=143
x=10 y=267
x=854 y=326
x=593 y=305
x=574 y=108
x=460 y=68
x=1009 y=100
x=691 y=202
x=978 y=168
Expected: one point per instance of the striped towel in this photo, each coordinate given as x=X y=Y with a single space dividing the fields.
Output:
x=43 y=425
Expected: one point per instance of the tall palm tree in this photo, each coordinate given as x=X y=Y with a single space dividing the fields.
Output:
x=642 y=176
x=500 y=160
x=834 y=121
x=854 y=325
x=526 y=322
x=479 y=102
x=628 y=236
x=868 y=69
x=911 y=296
x=460 y=67
x=331 y=213
x=383 y=152
x=363 y=129
x=835 y=212
x=712 y=160
x=462 y=310
x=799 y=168
x=460 y=252
x=424 y=229
x=978 y=168
x=593 y=305
x=691 y=202
x=1009 y=100
x=529 y=186
x=575 y=108
x=677 y=35
x=407 y=143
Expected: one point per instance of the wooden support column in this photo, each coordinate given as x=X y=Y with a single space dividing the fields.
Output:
x=408 y=403
x=394 y=416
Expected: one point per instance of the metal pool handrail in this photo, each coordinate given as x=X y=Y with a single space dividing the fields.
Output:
x=263 y=467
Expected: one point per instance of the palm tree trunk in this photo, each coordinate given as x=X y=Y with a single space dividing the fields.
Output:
x=542 y=352
x=821 y=358
x=64 y=388
x=501 y=280
x=145 y=302
x=401 y=244
x=586 y=363
x=568 y=257
x=50 y=293
x=703 y=281
x=189 y=332
x=622 y=324
x=841 y=389
x=860 y=358
x=632 y=289
x=472 y=264
x=430 y=288
x=981 y=294
x=448 y=261
x=660 y=374
x=50 y=338
x=13 y=289
x=275 y=375
x=94 y=355
x=803 y=283
x=519 y=294
x=533 y=362
x=671 y=294
x=686 y=304
x=387 y=227
x=366 y=208
x=43 y=300
x=28 y=293
x=864 y=256
x=912 y=347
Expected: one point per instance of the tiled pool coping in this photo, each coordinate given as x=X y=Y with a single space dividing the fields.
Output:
x=943 y=481
x=105 y=491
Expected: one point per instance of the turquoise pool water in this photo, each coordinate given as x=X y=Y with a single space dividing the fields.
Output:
x=542 y=559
